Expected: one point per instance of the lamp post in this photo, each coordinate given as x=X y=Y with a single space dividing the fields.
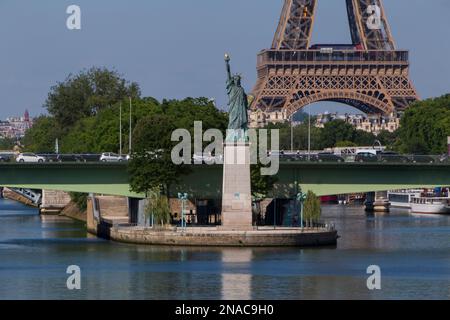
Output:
x=292 y=133
x=309 y=134
x=301 y=197
x=183 y=197
x=130 y=132
x=120 y=129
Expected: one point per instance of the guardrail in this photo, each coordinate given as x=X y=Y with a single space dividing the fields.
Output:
x=304 y=156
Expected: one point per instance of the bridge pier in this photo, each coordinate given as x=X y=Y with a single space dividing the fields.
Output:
x=53 y=202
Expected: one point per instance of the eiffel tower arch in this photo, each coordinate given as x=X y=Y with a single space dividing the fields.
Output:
x=370 y=74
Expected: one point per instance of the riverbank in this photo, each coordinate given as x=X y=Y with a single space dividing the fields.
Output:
x=73 y=212
x=218 y=237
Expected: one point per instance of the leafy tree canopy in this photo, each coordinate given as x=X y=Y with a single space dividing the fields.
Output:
x=87 y=93
x=425 y=127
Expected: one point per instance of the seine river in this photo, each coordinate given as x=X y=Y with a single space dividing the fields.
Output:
x=412 y=251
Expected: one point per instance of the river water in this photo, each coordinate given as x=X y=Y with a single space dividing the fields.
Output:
x=412 y=251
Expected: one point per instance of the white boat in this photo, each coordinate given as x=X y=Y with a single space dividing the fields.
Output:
x=403 y=198
x=430 y=205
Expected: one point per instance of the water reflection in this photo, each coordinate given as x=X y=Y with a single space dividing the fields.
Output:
x=236 y=285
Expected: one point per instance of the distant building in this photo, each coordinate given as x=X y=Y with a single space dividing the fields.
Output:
x=373 y=124
x=15 y=127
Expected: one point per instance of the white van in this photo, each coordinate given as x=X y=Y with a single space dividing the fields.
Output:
x=366 y=151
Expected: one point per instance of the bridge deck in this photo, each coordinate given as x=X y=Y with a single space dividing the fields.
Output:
x=206 y=181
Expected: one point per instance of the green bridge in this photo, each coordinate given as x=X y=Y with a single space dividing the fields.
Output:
x=205 y=182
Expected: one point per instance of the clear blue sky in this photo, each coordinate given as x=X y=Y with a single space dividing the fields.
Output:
x=175 y=48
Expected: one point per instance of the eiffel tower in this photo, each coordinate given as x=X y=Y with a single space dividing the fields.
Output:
x=370 y=74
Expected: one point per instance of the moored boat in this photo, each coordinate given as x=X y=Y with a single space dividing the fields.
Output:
x=430 y=205
x=403 y=198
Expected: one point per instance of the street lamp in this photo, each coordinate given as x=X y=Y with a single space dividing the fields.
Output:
x=309 y=135
x=183 y=197
x=292 y=133
x=301 y=197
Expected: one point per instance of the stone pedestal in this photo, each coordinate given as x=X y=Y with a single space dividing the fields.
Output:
x=236 y=195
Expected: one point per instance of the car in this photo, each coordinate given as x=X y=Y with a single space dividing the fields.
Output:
x=389 y=156
x=289 y=157
x=110 y=157
x=366 y=157
x=87 y=157
x=49 y=157
x=30 y=157
x=5 y=158
x=445 y=158
x=423 y=159
x=329 y=157
x=69 y=158
x=366 y=151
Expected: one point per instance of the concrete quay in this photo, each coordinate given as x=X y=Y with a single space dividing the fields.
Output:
x=220 y=237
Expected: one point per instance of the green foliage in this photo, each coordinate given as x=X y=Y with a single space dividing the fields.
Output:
x=344 y=144
x=312 y=210
x=425 y=127
x=388 y=139
x=86 y=94
x=335 y=131
x=151 y=165
x=7 y=143
x=334 y=134
x=42 y=136
x=80 y=199
x=158 y=207
x=261 y=185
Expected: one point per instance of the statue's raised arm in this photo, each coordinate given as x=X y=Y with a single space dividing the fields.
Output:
x=227 y=62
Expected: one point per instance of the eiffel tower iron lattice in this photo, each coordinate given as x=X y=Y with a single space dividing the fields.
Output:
x=370 y=74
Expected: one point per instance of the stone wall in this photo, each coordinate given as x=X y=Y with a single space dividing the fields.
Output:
x=278 y=238
x=112 y=206
x=53 y=202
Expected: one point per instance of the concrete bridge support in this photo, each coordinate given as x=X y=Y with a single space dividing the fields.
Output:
x=53 y=202
x=103 y=212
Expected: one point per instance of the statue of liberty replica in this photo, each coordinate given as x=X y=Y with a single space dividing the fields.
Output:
x=236 y=192
x=238 y=104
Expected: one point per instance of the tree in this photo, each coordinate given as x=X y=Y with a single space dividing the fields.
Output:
x=345 y=144
x=388 y=139
x=425 y=127
x=260 y=187
x=86 y=94
x=334 y=131
x=158 y=207
x=362 y=138
x=42 y=136
x=151 y=165
x=7 y=143
x=312 y=210
x=80 y=199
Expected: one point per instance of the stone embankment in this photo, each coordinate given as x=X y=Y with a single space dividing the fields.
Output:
x=218 y=237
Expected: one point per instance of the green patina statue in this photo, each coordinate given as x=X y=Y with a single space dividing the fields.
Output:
x=238 y=107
